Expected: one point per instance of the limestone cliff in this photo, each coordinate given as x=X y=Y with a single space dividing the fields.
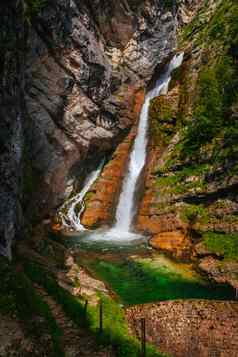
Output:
x=80 y=64
x=190 y=202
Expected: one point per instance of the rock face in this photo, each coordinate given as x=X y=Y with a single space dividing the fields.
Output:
x=221 y=271
x=174 y=242
x=191 y=175
x=189 y=328
x=82 y=61
x=103 y=197
x=79 y=74
x=11 y=122
x=155 y=216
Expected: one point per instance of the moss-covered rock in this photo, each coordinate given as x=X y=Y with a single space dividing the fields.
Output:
x=193 y=170
x=163 y=120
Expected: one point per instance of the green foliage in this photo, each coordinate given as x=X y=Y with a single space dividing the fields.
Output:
x=33 y=8
x=224 y=26
x=177 y=76
x=196 y=30
x=115 y=327
x=207 y=114
x=225 y=244
x=162 y=121
x=169 y=4
x=178 y=182
x=193 y=213
x=18 y=297
x=217 y=85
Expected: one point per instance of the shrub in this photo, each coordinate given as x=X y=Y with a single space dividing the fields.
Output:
x=225 y=244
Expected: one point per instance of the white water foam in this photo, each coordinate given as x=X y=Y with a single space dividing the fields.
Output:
x=125 y=209
x=71 y=219
x=121 y=232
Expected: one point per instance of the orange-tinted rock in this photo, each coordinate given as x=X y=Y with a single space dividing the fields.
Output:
x=158 y=224
x=175 y=242
x=56 y=227
x=101 y=206
x=153 y=219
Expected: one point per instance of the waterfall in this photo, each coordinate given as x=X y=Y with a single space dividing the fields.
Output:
x=71 y=219
x=125 y=209
x=121 y=232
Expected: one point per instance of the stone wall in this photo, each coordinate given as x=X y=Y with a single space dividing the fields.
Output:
x=189 y=328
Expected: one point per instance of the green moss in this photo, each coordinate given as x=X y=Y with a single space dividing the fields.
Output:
x=225 y=244
x=216 y=91
x=190 y=177
x=162 y=120
x=207 y=113
x=168 y=181
x=177 y=77
x=115 y=331
x=194 y=213
x=89 y=195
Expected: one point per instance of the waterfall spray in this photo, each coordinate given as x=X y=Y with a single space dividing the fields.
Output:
x=125 y=209
x=71 y=219
x=122 y=230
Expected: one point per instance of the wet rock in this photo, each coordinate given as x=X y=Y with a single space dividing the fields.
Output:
x=201 y=250
x=100 y=206
x=80 y=109
x=159 y=223
x=175 y=242
x=70 y=75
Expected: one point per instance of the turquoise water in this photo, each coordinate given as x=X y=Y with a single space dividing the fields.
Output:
x=137 y=274
x=138 y=281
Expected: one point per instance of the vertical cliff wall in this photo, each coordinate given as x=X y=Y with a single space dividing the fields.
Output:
x=11 y=121
x=190 y=203
x=84 y=61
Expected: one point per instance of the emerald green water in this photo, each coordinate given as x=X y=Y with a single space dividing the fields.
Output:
x=137 y=274
x=139 y=281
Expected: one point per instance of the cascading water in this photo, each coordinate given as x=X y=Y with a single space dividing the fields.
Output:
x=124 y=214
x=71 y=219
x=125 y=209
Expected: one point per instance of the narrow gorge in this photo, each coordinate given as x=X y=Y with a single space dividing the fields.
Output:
x=118 y=161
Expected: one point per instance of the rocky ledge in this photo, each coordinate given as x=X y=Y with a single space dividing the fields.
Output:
x=189 y=207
